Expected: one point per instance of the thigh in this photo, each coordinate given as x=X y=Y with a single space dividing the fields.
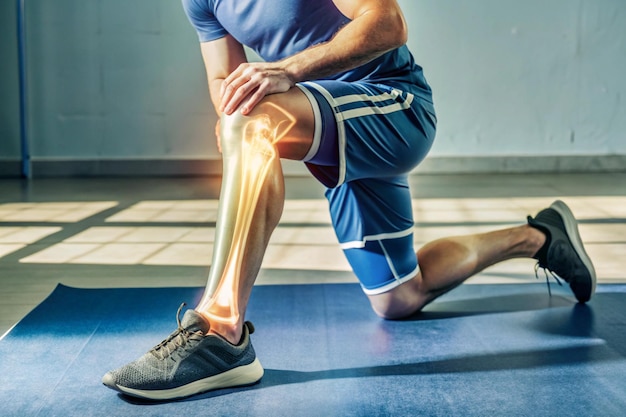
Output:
x=293 y=120
x=373 y=220
x=381 y=131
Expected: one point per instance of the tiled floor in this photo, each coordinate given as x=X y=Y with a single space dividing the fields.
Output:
x=160 y=232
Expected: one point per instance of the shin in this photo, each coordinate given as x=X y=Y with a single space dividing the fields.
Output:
x=250 y=162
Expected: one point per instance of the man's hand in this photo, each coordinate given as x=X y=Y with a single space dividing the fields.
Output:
x=246 y=86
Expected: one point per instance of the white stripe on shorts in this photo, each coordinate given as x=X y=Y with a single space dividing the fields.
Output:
x=353 y=98
x=341 y=131
x=368 y=110
x=358 y=244
x=317 y=134
x=392 y=284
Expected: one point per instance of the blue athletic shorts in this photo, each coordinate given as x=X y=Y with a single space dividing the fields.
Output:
x=368 y=138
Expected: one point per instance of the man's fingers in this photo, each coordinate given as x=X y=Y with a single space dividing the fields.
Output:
x=240 y=93
x=238 y=86
x=255 y=98
x=228 y=97
x=231 y=77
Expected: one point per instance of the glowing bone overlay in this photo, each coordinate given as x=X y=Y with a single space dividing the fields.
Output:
x=258 y=151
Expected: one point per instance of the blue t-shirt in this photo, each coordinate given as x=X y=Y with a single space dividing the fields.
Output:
x=276 y=29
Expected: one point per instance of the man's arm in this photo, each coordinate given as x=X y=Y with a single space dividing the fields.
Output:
x=377 y=27
x=221 y=57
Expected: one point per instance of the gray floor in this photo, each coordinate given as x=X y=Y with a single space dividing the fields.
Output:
x=154 y=232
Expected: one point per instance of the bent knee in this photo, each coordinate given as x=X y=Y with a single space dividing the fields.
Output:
x=394 y=310
x=399 y=303
x=232 y=127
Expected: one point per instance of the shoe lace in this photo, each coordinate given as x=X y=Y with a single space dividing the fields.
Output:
x=554 y=276
x=178 y=339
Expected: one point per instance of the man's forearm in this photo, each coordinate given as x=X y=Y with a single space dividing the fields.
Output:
x=362 y=40
x=214 y=91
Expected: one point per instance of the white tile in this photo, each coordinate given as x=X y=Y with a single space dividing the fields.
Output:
x=584 y=208
x=612 y=207
x=192 y=254
x=63 y=205
x=469 y=216
x=73 y=215
x=153 y=205
x=27 y=234
x=464 y=204
x=304 y=236
x=306 y=216
x=5 y=231
x=199 y=235
x=99 y=234
x=186 y=216
x=119 y=254
x=169 y=211
x=154 y=234
x=6 y=248
x=196 y=205
x=134 y=215
x=306 y=211
x=60 y=253
x=32 y=215
x=100 y=205
x=27 y=206
x=306 y=204
x=202 y=204
x=5 y=212
x=307 y=257
x=53 y=212
x=425 y=234
x=613 y=233
x=267 y=278
x=523 y=267
x=608 y=260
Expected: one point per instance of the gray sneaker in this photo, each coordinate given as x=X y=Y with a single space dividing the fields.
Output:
x=188 y=362
x=563 y=253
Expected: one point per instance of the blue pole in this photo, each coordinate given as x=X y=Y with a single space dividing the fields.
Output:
x=21 y=44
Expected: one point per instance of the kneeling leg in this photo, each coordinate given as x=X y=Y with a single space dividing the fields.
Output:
x=251 y=203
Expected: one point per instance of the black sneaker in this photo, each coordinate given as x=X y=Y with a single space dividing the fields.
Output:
x=563 y=253
x=188 y=362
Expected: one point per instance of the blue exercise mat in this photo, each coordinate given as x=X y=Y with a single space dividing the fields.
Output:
x=481 y=350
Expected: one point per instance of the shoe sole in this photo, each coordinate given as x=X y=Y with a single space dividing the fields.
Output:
x=571 y=228
x=240 y=376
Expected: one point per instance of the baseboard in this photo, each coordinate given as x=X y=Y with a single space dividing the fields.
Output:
x=522 y=164
x=10 y=168
x=125 y=167
x=48 y=167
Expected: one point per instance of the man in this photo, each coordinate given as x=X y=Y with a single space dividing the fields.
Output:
x=340 y=91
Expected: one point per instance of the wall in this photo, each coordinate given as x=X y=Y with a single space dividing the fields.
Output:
x=116 y=79
x=9 y=92
x=524 y=77
x=117 y=84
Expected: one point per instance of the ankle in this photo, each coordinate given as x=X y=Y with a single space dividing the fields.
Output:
x=536 y=241
x=231 y=332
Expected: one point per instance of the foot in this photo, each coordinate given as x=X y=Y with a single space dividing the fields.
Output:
x=563 y=253
x=188 y=362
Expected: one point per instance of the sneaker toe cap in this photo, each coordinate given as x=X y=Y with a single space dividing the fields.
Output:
x=109 y=380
